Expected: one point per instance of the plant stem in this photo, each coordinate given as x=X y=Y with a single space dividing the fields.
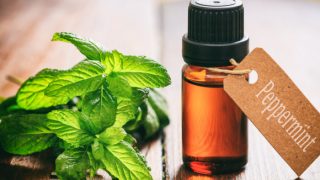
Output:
x=14 y=80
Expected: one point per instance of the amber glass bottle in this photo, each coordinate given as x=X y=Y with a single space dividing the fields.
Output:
x=214 y=128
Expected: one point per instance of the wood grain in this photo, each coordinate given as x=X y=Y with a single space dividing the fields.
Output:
x=36 y=166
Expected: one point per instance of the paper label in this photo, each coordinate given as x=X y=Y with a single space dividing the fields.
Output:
x=278 y=109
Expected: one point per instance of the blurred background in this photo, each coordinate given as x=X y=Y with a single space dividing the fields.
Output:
x=289 y=30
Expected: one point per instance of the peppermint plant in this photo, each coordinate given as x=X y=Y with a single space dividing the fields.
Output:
x=88 y=113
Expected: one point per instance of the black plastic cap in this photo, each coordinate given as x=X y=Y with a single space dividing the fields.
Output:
x=215 y=33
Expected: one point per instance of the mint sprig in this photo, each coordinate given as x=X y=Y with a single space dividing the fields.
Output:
x=88 y=112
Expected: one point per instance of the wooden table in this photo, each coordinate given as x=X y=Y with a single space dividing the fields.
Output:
x=154 y=28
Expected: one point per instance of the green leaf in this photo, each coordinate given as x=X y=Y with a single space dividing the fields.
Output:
x=121 y=161
x=139 y=95
x=130 y=139
x=112 y=61
x=125 y=111
x=62 y=145
x=71 y=127
x=94 y=164
x=85 y=77
x=138 y=71
x=87 y=47
x=135 y=123
x=119 y=86
x=112 y=135
x=6 y=105
x=151 y=123
x=25 y=134
x=159 y=104
x=128 y=107
x=31 y=94
x=100 y=106
x=72 y=164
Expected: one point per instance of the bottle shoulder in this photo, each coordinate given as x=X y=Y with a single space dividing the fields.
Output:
x=204 y=75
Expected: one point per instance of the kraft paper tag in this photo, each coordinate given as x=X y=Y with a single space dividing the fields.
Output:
x=278 y=109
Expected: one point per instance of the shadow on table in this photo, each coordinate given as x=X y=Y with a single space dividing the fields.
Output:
x=186 y=174
x=35 y=166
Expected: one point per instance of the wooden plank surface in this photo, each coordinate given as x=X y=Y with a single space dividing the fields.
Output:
x=289 y=31
x=36 y=166
x=26 y=28
x=133 y=27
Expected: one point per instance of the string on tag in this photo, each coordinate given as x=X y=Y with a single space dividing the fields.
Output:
x=234 y=71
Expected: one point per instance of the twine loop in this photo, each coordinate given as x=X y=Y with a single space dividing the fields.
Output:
x=234 y=71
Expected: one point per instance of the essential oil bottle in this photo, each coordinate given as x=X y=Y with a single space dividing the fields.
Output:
x=214 y=128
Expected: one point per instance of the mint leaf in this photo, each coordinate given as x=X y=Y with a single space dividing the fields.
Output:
x=8 y=106
x=91 y=104
x=151 y=123
x=61 y=145
x=152 y=115
x=130 y=139
x=138 y=71
x=125 y=111
x=112 y=61
x=87 y=47
x=159 y=104
x=119 y=86
x=112 y=135
x=127 y=107
x=139 y=95
x=100 y=106
x=25 y=134
x=121 y=161
x=31 y=94
x=71 y=127
x=94 y=164
x=72 y=164
x=136 y=122
x=85 y=77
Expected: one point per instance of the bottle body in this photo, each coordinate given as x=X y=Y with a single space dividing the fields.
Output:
x=214 y=128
